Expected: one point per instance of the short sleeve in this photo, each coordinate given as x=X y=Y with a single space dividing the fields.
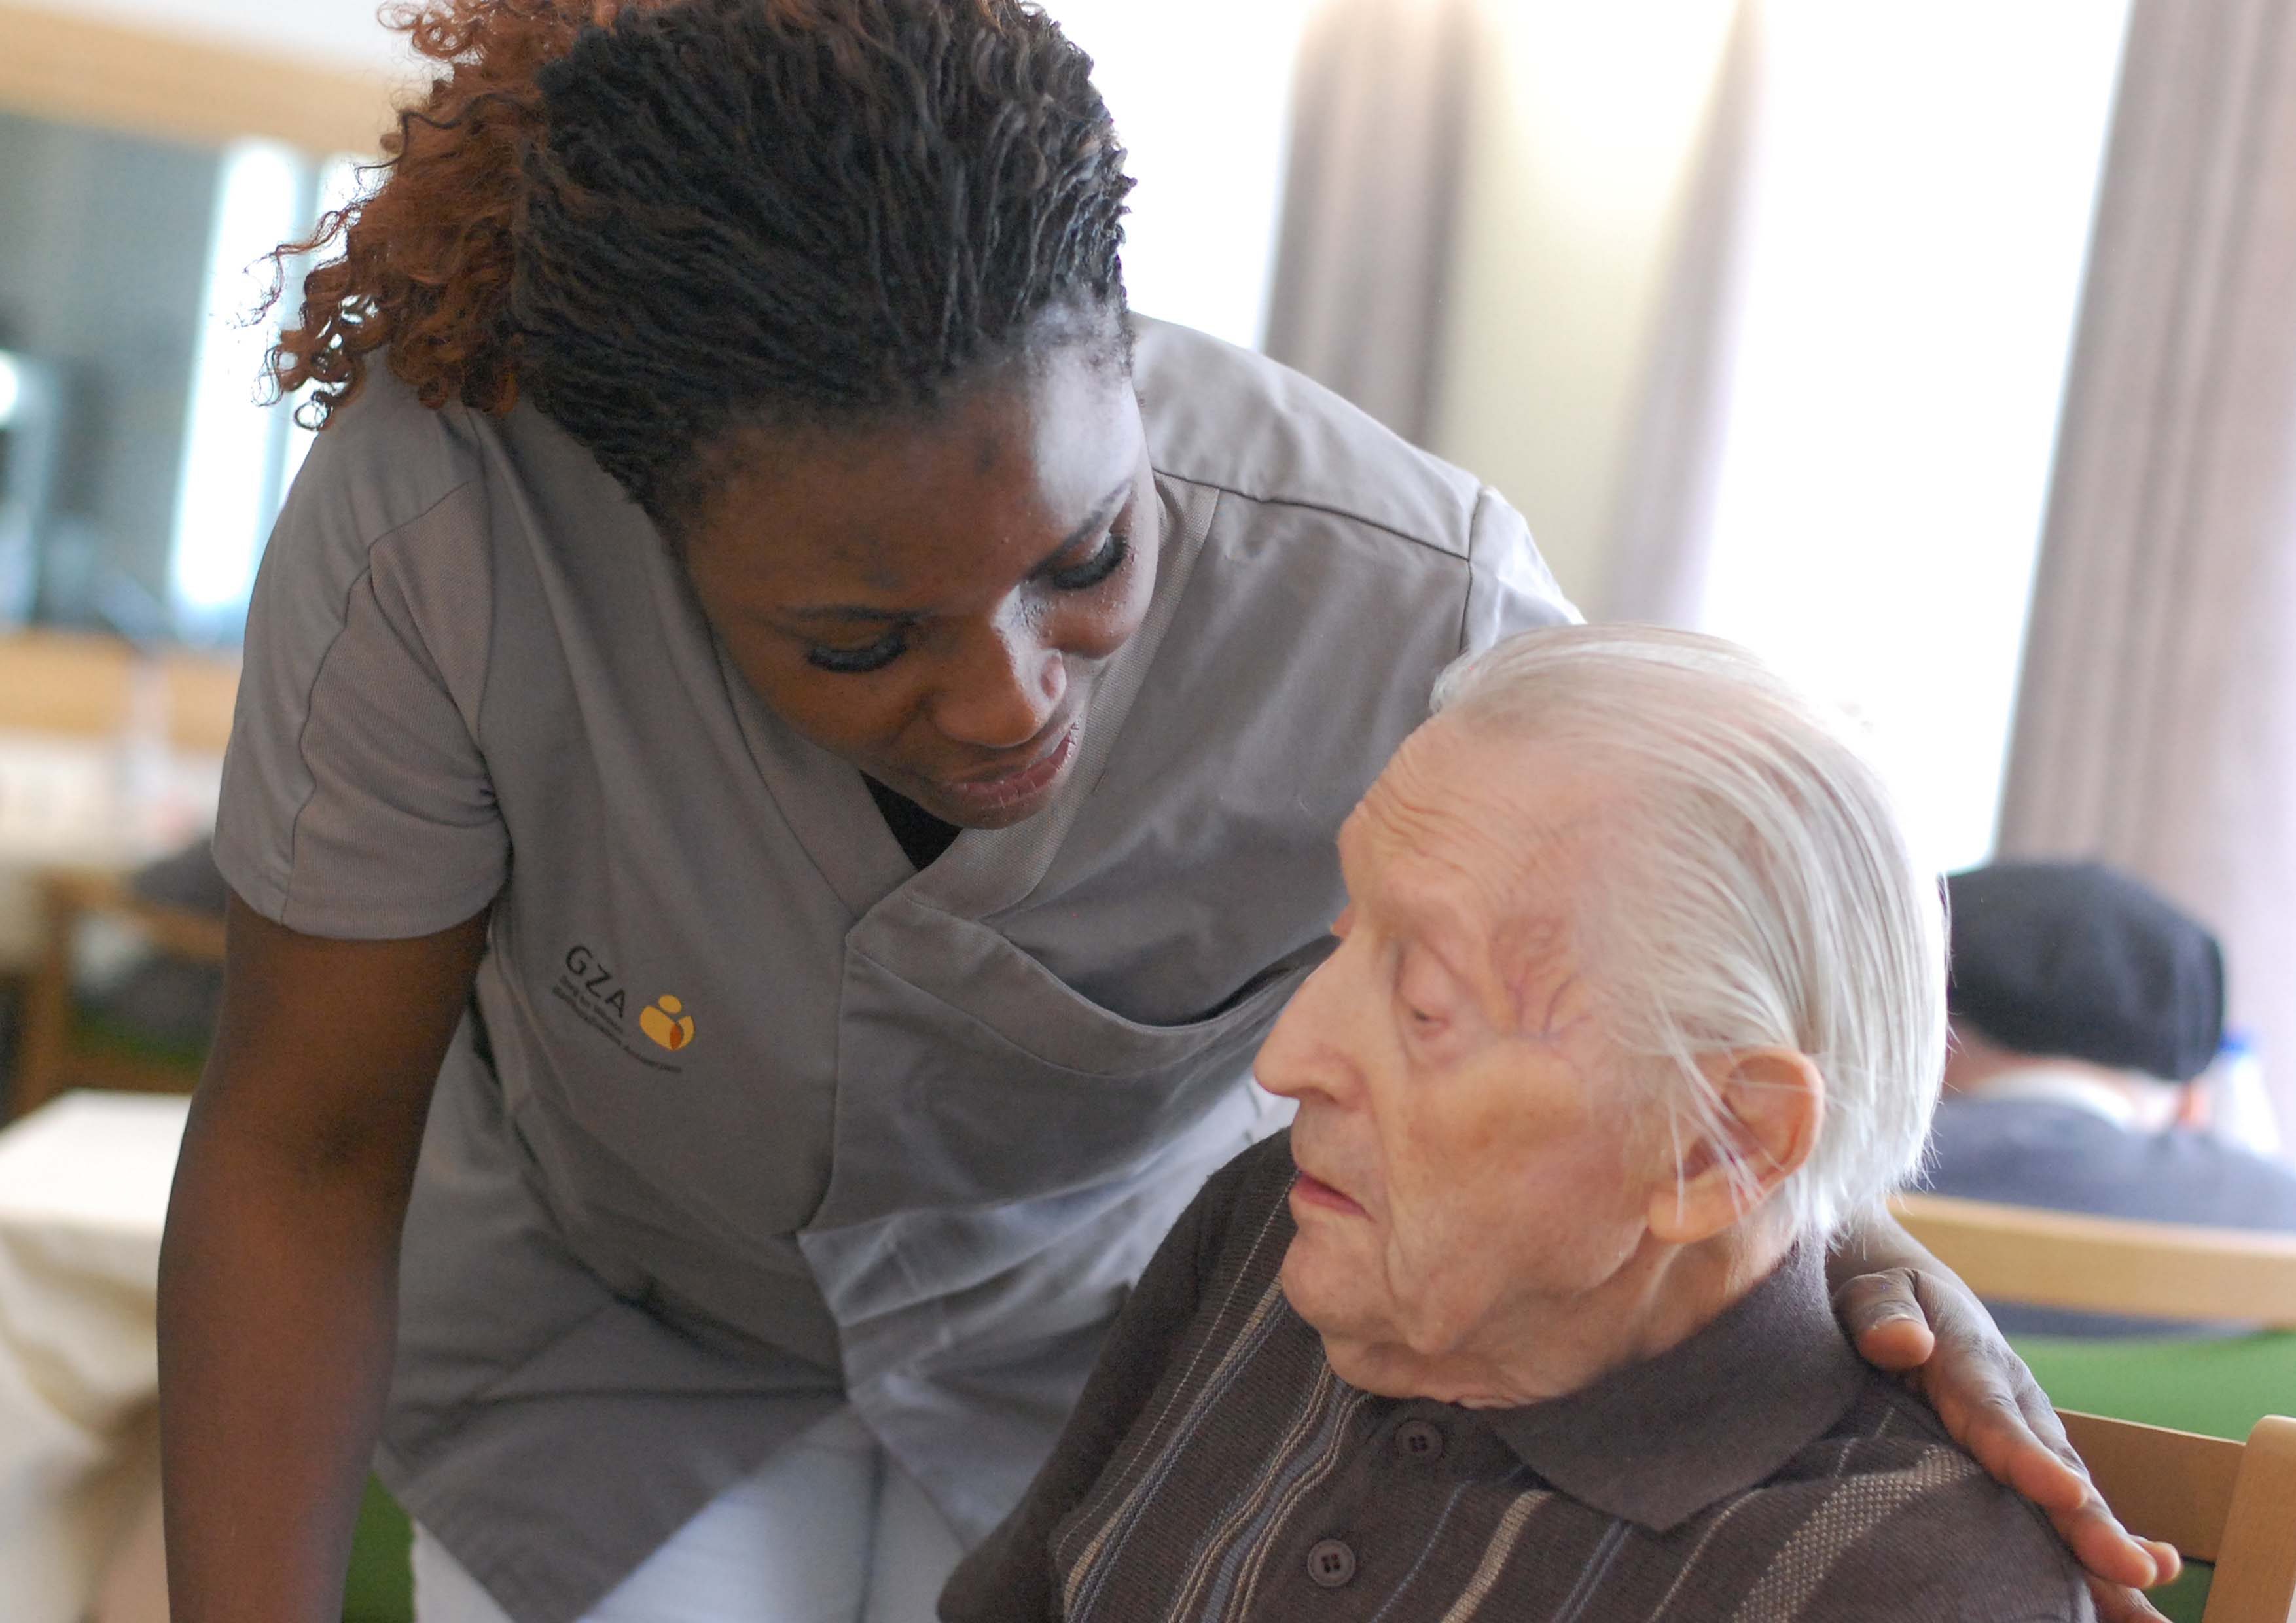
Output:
x=356 y=802
x=1509 y=587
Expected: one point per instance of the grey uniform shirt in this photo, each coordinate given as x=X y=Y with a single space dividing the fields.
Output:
x=749 y=1116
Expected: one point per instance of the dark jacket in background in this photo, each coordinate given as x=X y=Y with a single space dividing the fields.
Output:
x=2034 y=1153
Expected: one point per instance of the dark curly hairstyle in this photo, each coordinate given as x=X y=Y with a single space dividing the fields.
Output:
x=667 y=220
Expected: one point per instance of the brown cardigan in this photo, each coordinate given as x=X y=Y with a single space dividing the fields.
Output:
x=1217 y=1469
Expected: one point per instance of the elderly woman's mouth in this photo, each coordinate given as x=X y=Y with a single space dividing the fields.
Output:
x=1313 y=1191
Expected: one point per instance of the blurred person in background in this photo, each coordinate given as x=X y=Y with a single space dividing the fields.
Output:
x=788 y=757
x=2084 y=1005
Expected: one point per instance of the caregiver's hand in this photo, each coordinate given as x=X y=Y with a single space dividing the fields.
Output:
x=1910 y=1315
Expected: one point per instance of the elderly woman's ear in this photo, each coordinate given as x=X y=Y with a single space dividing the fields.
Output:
x=1768 y=1106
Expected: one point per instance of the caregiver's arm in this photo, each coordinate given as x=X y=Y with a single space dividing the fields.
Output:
x=1910 y=1314
x=278 y=1278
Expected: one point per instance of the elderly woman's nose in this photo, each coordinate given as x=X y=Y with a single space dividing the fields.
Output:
x=1301 y=1055
x=1005 y=687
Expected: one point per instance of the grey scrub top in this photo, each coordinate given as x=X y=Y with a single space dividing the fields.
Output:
x=749 y=1117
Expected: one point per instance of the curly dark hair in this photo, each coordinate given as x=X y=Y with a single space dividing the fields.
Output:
x=664 y=220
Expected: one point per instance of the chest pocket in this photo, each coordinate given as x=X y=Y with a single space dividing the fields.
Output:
x=969 y=1075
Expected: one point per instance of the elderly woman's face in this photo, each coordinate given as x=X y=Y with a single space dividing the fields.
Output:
x=1465 y=1162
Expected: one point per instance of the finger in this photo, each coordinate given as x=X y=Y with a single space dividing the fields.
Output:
x=1985 y=1415
x=1990 y=1405
x=2066 y=1488
x=1884 y=1317
x=1996 y=1410
x=2049 y=1430
x=2119 y=1603
x=2028 y=1452
x=2169 y=1565
x=2104 y=1546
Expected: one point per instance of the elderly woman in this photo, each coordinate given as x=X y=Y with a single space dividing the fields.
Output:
x=1639 y=995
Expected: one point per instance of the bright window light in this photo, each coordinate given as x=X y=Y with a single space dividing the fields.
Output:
x=229 y=486
x=1919 y=231
x=1205 y=128
x=12 y=389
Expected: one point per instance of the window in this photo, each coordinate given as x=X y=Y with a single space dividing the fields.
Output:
x=1920 y=221
x=240 y=453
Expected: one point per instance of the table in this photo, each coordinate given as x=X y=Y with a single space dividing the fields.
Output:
x=84 y=1188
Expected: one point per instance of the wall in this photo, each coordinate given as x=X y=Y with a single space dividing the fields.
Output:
x=1202 y=233
x=100 y=276
x=1583 y=124
x=342 y=33
x=1205 y=130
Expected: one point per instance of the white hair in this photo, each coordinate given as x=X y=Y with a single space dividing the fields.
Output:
x=1758 y=892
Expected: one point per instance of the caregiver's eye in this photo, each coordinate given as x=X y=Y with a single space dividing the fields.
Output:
x=856 y=661
x=1099 y=567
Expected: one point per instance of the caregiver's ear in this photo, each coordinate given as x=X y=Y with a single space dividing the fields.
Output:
x=1772 y=1106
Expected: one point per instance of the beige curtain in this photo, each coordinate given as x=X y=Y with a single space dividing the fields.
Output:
x=1380 y=99
x=1662 y=526
x=2156 y=723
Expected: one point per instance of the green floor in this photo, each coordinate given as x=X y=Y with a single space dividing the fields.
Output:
x=379 y=1589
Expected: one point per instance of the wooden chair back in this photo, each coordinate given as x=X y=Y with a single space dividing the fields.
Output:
x=2108 y=1264
x=82 y=685
x=49 y=1057
x=201 y=690
x=2228 y=1503
x=64 y=682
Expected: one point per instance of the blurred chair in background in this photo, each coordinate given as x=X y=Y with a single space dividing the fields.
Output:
x=111 y=758
x=2153 y=1273
x=149 y=1030
x=2082 y=1004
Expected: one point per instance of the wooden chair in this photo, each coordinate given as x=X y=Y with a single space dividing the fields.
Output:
x=72 y=685
x=75 y=684
x=2230 y=1504
x=52 y=1058
x=64 y=682
x=2213 y=1499
x=2108 y=1264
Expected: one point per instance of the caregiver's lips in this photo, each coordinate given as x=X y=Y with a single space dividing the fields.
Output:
x=1000 y=790
x=1312 y=1190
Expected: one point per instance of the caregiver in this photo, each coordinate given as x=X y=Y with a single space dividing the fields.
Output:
x=792 y=750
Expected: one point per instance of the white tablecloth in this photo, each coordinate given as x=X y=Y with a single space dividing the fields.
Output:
x=83 y=1195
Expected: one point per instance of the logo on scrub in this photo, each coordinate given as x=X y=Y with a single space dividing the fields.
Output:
x=666 y=1022
x=598 y=1000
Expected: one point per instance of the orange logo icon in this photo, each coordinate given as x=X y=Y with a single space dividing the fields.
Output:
x=665 y=1021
